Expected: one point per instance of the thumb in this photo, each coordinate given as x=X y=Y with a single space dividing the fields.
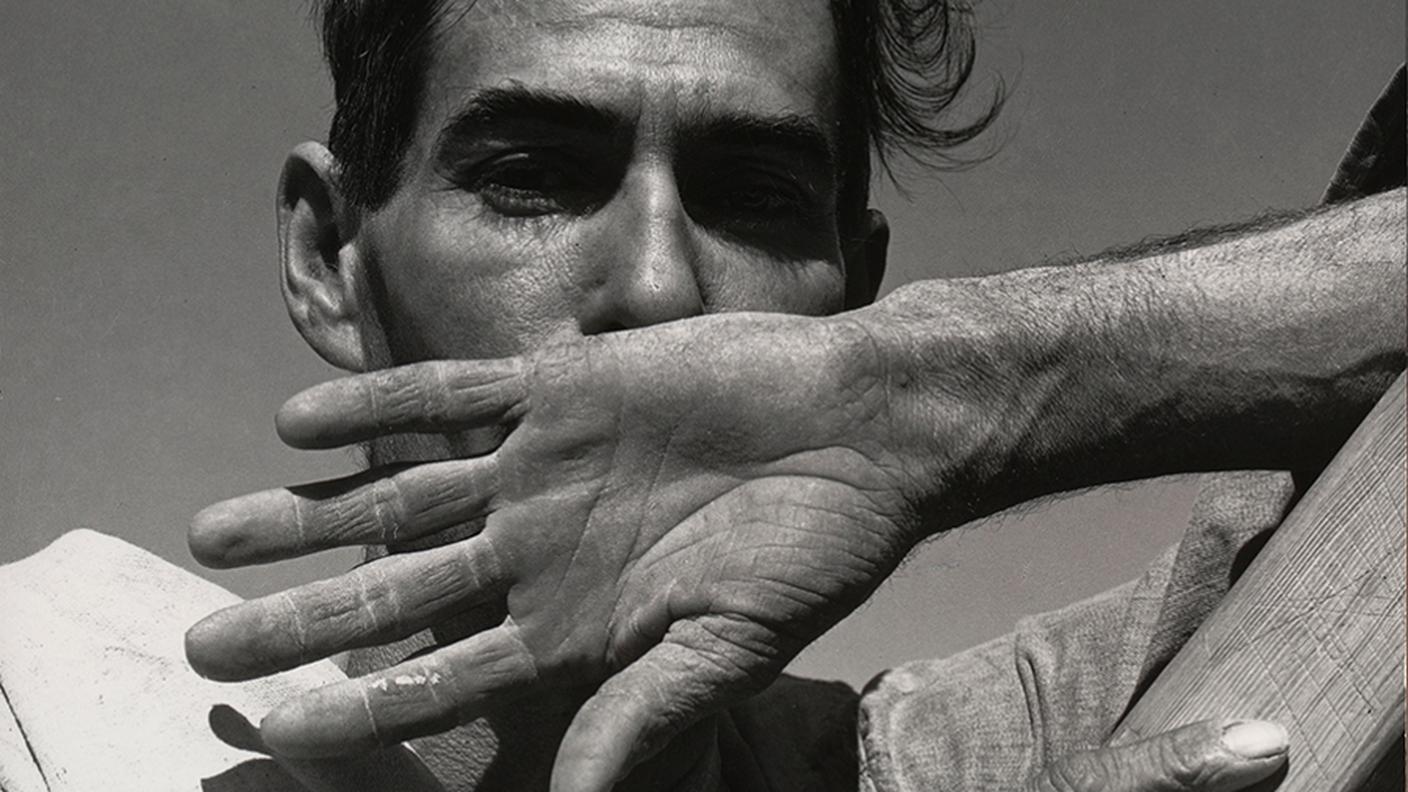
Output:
x=699 y=668
x=1211 y=756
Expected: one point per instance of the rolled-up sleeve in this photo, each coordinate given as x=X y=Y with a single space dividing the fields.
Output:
x=990 y=717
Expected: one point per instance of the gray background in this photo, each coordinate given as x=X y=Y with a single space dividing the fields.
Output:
x=144 y=349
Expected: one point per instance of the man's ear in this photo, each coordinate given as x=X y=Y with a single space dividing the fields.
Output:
x=865 y=260
x=320 y=268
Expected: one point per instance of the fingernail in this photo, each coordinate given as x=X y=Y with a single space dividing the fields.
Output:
x=1255 y=739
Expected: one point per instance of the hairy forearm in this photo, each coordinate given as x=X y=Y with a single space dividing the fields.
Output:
x=1260 y=350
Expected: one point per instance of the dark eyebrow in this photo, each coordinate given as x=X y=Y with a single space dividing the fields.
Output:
x=798 y=133
x=493 y=109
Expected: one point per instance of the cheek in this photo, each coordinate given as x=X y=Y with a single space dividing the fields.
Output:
x=452 y=291
x=743 y=282
x=455 y=285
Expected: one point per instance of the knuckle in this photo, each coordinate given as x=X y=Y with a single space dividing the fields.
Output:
x=1175 y=763
x=432 y=392
x=387 y=508
x=375 y=605
x=478 y=566
x=296 y=636
x=1183 y=759
x=1081 y=772
x=398 y=397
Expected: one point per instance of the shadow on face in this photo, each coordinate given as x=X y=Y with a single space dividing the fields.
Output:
x=580 y=168
x=586 y=167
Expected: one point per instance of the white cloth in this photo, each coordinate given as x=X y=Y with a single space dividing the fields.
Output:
x=97 y=694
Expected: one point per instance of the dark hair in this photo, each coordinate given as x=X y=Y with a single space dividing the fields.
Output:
x=904 y=63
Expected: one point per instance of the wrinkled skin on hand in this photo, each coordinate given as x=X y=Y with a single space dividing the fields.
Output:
x=1208 y=756
x=654 y=522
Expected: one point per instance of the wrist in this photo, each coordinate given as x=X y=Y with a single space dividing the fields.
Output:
x=1015 y=382
x=956 y=363
x=1261 y=348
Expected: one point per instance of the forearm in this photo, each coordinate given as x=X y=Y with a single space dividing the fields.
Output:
x=1259 y=351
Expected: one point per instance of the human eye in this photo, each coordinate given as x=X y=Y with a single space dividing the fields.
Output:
x=752 y=198
x=764 y=194
x=747 y=188
x=766 y=206
x=765 y=197
x=530 y=184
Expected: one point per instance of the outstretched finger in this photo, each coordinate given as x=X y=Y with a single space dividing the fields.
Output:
x=383 y=506
x=437 y=397
x=424 y=695
x=382 y=601
x=699 y=668
x=395 y=769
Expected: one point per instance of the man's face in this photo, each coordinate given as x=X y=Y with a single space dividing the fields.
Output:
x=582 y=166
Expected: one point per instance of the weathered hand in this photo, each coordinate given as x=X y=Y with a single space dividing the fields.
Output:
x=1202 y=757
x=673 y=515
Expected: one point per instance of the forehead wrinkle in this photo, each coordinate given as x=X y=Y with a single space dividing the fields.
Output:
x=770 y=27
x=656 y=23
x=770 y=33
x=695 y=37
x=664 y=16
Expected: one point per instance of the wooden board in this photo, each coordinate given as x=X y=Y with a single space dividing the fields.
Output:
x=1312 y=636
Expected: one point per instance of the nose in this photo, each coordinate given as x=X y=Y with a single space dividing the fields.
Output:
x=644 y=259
